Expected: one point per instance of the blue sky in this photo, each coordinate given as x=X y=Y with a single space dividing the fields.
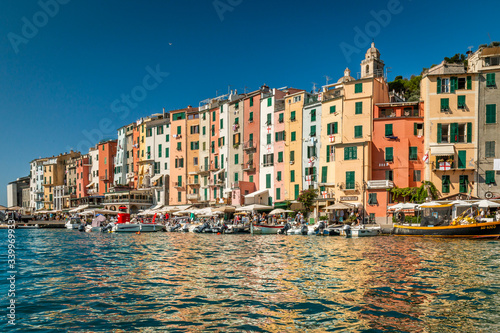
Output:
x=59 y=80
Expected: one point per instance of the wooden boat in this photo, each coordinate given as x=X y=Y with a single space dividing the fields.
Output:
x=267 y=228
x=436 y=222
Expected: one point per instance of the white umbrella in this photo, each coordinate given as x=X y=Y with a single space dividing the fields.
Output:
x=401 y=205
x=277 y=211
x=252 y=208
x=338 y=206
x=461 y=203
x=487 y=204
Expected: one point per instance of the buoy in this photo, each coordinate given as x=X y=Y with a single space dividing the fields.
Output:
x=138 y=232
x=218 y=233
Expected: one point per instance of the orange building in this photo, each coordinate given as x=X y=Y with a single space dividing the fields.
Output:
x=251 y=132
x=107 y=153
x=397 y=153
x=82 y=176
x=193 y=156
x=136 y=150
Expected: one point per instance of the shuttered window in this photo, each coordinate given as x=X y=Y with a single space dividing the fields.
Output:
x=372 y=198
x=358 y=131
x=464 y=183
x=358 y=88
x=461 y=102
x=332 y=109
x=491 y=113
x=489 y=177
x=445 y=188
x=324 y=174
x=445 y=104
x=350 y=183
x=413 y=153
x=489 y=149
x=389 y=157
x=388 y=130
x=359 y=108
x=490 y=80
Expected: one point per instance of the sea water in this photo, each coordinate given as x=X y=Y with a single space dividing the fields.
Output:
x=70 y=281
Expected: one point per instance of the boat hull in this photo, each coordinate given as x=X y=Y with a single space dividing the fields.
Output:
x=267 y=229
x=478 y=230
x=361 y=232
x=137 y=227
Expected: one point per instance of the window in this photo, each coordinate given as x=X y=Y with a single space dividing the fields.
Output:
x=358 y=131
x=294 y=136
x=268 y=139
x=292 y=156
x=213 y=113
x=269 y=101
x=359 y=108
x=280 y=157
x=250 y=179
x=297 y=99
x=251 y=101
x=268 y=180
x=372 y=198
x=179 y=146
x=313 y=115
x=332 y=109
x=236 y=177
x=461 y=83
x=167 y=138
x=204 y=130
x=280 y=136
x=464 y=183
x=454 y=132
x=213 y=130
x=159 y=150
x=236 y=139
x=292 y=176
x=250 y=119
x=491 y=113
x=268 y=121
x=389 y=154
x=413 y=153
x=313 y=131
x=179 y=196
x=278 y=194
x=178 y=116
x=489 y=177
x=278 y=176
x=332 y=128
x=350 y=153
x=418 y=129
x=179 y=130
x=268 y=160
x=221 y=123
x=149 y=132
x=388 y=130
x=490 y=80
x=492 y=61
x=237 y=105
x=443 y=85
x=489 y=149
x=462 y=159
x=358 y=88
x=330 y=153
x=417 y=175
x=350 y=183
x=445 y=104
x=292 y=116
x=445 y=187
x=461 y=102
x=389 y=175
x=311 y=151
x=296 y=191
x=195 y=129
x=236 y=159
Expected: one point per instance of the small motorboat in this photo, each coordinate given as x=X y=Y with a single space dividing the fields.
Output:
x=360 y=231
x=96 y=224
x=73 y=223
x=267 y=228
x=27 y=226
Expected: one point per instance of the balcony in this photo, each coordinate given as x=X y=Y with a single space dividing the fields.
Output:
x=379 y=184
x=204 y=169
x=178 y=184
x=213 y=168
x=104 y=178
x=193 y=196
x=193 y=182
x=248 y=167
x=249 y=145
x=332 y=94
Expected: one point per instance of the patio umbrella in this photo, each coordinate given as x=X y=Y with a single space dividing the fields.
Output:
x=3 y=207
x=14 y=208
x=277 y=211
x=338 y=206
x=487 y=204
x=252 y=208
x=402 y=205
x=225 y=209
x=461 y=203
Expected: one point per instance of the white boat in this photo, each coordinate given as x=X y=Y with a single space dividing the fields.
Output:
x=360 y=231
x=267 y=228
x=302 y=230
x=136 y=227
x=73 y=223
x=96 y=224
x=25 y=226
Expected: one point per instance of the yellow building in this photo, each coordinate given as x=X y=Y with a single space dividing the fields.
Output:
x=450 y=103
x=294 y=104
x=54 y=170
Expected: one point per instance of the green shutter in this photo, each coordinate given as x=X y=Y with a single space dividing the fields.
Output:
x=413 y=153
x=438 y=85
x=445 y=104
x=359 y=108
x=453 y=132
x=335 y=128
x=313 y=130
x=236 y=159
x=491 y=113
x=269 y=101
x=269 y=119
x=358 y=87
x=490 y=80
x=324 y=173
x=462 y=159
x=280 y=119
x=327 y=153
x=268 y=181
x=251 y=101
x=461 y=102
x=329 y=129
x=439 y=133
x=349 y=180
x=294 y=136
x=278 y=193
x=296 y=188
x=389 y=154
x=489 y=177
x=332 y=109
x=358 y=131
x=388 y=130
x=280 y=156
x=292 y=176
x=464 y=182
x=469 y=132
x=415 y=129
x=469 y=82
x=453 y=84
x=292 y=115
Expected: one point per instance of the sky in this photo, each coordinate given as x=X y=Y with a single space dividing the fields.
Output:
x=72 y=72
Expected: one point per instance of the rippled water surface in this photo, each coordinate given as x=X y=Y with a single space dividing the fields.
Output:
x=70 y=281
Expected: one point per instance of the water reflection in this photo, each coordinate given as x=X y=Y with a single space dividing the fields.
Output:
x=72 y=281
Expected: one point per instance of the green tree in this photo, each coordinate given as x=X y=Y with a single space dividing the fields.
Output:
x=307 y=198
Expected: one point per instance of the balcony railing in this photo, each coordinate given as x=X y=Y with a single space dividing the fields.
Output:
x=249 y=145
x=104 y=178
x=193 y=182
x=193 y=196
x=250 y=166
x=178 y=184
x=379 y=184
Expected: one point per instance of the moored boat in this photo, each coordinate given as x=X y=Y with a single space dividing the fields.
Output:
x=73 y=223
x=436 y=222
x=267 y=228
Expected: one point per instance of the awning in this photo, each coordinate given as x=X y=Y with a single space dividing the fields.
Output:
x=257 y=193
x=442 y=150
x=155 y=178
x=217 y=172
x=79 y=208
x=90 y=185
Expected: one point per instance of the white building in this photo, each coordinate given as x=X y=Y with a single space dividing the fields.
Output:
x=120 y=177
x=36 y=184
x=158 y=153
x=311 y=131
x=93 y=186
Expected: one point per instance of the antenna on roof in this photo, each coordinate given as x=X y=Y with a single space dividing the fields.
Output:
x=314 y=87
x=490 y=37
x=327 y=79
x=470 y=48
x=245 y=90
x=229 y=89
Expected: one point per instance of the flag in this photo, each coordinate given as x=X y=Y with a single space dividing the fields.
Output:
x=425 y=158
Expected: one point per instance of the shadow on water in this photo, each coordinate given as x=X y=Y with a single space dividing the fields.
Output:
x=71 y=281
